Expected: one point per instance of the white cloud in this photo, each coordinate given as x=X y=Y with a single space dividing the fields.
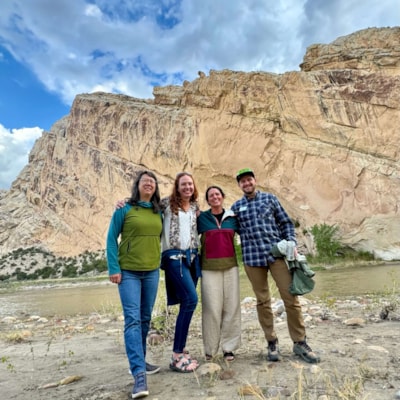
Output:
x=93 y=11
x=74 y=47
x=15 y=146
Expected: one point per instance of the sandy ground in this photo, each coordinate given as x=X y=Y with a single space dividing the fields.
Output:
x=84 y=358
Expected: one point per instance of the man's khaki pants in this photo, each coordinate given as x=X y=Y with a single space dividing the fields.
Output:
x=258 y=277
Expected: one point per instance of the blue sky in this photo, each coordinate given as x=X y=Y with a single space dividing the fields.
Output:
x=53 y=50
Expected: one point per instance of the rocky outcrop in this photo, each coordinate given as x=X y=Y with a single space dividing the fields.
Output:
x=323 y=139
x=370 y=49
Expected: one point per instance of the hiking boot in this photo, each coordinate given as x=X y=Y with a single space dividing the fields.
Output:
x=140 y=386
x=273 y=351
x=303 y=350
x=151 y=369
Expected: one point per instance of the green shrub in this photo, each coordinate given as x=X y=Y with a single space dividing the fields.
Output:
x=331 y=250
x=21 y=275
x=100 y=265
x=326 y=240
x=69 y=272
x=86 y=267
x=45 y=273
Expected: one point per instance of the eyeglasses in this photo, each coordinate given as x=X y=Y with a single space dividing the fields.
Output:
x=149 y=181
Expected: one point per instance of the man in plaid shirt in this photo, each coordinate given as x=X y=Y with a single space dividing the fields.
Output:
x=264 y=223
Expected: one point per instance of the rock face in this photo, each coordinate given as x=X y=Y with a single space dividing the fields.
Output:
x=324 y=139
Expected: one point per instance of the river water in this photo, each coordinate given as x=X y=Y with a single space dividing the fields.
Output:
x=70 y=299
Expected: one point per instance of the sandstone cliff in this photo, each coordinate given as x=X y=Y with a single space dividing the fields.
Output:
x=323 y=139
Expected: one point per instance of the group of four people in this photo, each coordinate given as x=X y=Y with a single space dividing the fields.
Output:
x=134 y=250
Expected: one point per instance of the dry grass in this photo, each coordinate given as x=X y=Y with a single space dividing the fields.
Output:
x=16 y=336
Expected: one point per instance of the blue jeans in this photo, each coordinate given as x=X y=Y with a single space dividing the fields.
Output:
x=181 y=279
x=138 y=292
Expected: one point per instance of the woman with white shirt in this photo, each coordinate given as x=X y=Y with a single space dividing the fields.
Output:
x=180 y=261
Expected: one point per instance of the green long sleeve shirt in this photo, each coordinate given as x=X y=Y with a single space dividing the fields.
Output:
x=139 y=247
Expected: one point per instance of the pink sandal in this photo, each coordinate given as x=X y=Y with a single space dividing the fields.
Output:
x=188 y=357
x=182 y=364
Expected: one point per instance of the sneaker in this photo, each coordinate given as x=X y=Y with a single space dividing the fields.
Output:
x=140 y=386
x=152 y=369
x=273 y=351
x=303 y=350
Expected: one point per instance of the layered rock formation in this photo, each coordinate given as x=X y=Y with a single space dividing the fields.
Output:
x=323 y=139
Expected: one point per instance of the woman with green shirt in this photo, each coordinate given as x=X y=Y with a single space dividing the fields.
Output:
x=133 y=264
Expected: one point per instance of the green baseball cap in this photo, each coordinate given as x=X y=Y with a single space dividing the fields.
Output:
x=243 y=172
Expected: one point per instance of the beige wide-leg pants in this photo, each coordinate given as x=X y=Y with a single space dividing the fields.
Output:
x=220 y=299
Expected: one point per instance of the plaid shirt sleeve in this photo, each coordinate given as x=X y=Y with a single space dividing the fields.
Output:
x=263 y=223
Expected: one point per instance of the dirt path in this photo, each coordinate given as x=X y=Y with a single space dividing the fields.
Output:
x=360 y=359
